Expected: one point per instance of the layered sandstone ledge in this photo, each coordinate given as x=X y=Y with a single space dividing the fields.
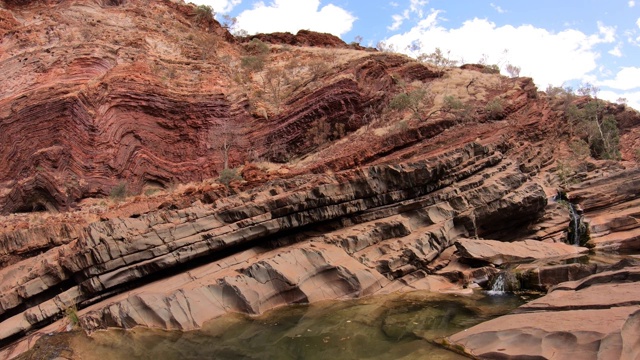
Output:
x=391 y=221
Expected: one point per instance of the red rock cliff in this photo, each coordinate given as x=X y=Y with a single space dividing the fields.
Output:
x=362 y=172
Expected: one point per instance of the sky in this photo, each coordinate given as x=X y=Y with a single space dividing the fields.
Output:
x=556 y=42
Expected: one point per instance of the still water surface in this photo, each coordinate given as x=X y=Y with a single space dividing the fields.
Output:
x=386 y=327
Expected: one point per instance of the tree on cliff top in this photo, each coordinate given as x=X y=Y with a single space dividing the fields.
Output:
x=204 y=13
x=437 y=58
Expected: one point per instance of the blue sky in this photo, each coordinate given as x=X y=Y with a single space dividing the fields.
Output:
x=563 y=43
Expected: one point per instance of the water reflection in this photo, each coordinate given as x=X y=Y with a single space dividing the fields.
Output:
x=390 y=327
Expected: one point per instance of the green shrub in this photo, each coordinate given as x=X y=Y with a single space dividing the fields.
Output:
x=491 y=69
x=151 y=191
x=451 y=103
x=401 y=126
x=400 y=102
x=257 y=47
x=71 y=313
x=252 y=63
x=494 y=110
x=580 y=148
x=415 y=100
x=204 y=13
x=119 y=191
x=227 y=176
x=565 y=173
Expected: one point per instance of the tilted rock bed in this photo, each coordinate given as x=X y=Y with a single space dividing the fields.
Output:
x=357 y=233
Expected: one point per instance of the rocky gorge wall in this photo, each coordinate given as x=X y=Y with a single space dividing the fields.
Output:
x=341 y=195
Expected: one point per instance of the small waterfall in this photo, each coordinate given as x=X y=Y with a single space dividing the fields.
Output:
x=578 y=230
x=506 y=281
x=499 y=285
x=576 y=219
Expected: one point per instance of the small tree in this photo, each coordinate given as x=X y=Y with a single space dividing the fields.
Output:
x=484 y=60
x=224 y=137
x=600 y=130
x=274 y=84
x=317 y=68
x=621 y=101
x=385 y=47
x=512 y=70
x=207 y=44
x=229 y=22
x=438 y=59
x=587 y=89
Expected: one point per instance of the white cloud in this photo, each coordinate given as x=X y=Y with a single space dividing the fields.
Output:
x=609 y=32
x=633 y=97
x=394 y=4
x=398 y=20
x=627 y=78
x=638 y=22
x=498 y=8
x=294 y=15
x=616 y=51
x=415 y=7
x=548 y=57
x=219 y=6
x=632 y=3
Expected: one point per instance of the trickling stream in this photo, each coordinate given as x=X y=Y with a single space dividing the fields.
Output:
x=574 y=234
x=398 y=326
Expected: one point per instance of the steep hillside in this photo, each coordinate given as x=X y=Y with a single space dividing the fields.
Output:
x=352 y=172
